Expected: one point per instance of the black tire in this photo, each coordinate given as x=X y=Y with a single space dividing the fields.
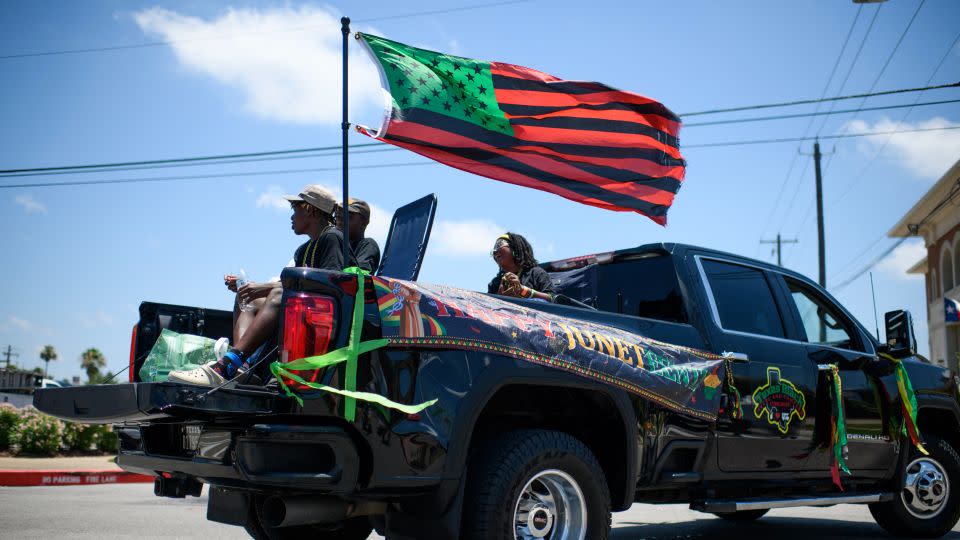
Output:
x=358 y=528
x=742 y=515
x=501 y=469
x=895 y=516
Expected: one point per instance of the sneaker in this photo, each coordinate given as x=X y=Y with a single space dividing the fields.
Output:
x=204 y=375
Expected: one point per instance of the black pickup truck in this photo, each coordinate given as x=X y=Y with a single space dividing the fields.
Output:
x=517 y=450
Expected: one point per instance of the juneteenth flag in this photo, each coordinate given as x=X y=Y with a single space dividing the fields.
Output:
x=584 y=141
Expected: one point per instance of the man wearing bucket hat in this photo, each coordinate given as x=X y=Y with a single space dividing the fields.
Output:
x=313 y=210
x=364 y=250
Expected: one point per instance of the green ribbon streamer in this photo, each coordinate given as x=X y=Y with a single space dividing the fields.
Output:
x=841 y=421
x=348 y=355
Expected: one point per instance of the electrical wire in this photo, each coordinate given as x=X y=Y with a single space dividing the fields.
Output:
x=383 y=165
x=947 y=200
x=314 y=152
x=853 y=63
x=230 y=36
x=806 y=130
x=823 y=113
x=207 y=176
x=825 y=137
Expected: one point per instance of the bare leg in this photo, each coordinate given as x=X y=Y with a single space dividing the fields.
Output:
x=263 y=325
x=243 y=319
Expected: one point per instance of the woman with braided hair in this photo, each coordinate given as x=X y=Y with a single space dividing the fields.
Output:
x=519 y=274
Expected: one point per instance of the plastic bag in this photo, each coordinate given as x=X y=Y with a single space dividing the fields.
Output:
x=173 y=352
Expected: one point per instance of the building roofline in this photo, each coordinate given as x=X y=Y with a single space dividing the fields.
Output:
x=926 y=204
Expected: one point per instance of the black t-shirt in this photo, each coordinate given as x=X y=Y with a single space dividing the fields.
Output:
x=535 y=278
x=367 y=253
x=325 y=252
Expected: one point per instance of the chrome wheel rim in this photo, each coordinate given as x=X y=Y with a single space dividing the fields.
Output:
x=926 y=488
x=551 y=505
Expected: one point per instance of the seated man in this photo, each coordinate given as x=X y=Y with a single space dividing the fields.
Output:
x=364 y=250
x=519 y=274
x=312 y=215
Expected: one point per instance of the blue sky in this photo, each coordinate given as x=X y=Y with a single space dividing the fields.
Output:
x=257 y=76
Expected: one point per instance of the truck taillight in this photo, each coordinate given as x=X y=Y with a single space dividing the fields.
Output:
x=133 y=353
x=308 y=322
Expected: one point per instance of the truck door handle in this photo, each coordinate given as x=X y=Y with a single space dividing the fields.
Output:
x=736 y=357
x=824 y=367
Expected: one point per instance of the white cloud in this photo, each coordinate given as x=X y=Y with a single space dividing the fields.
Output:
x=902 y=259
x=286 y=61
x=272 y=198
x=927 y=154
x=20 y=324
x=30 y=205
x=97 y=319
x=379 y=224
x=473 y=237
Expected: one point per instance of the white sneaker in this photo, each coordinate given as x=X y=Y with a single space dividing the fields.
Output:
x=204 y=375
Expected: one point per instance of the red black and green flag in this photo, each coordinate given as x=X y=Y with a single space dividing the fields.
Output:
x=584 y=141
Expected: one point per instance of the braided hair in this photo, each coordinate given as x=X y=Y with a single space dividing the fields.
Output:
x=522 y=251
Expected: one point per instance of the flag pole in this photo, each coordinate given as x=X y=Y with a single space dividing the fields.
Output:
x=345 y=127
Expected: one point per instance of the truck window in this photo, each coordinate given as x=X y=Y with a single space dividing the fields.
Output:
x=644 y=287
x=821 y=323
x=743 y=299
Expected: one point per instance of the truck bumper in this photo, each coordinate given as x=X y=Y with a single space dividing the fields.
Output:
x=307 y=458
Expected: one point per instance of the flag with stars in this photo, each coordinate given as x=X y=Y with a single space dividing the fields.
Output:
x=584 y=141
x=951 y=309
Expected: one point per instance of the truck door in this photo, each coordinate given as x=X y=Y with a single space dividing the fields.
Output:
x=833 y=337
x=776 y=381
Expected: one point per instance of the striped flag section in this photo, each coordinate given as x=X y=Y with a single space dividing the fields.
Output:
x=584 y=141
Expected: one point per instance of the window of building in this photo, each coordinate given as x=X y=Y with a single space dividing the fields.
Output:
x=743 y=298
x=946 y=269
x=956 y=260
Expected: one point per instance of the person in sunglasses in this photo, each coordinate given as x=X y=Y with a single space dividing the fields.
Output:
x=519 y=274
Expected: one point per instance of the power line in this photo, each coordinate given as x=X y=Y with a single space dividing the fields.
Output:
x=799 y=139
x=377 y=166
x=206 y=176
x=820 y=100
x=303 y=152
x=806 y=130
x=953 y=193
x=823 y=113
x=230 y=36
x=863 y=171
x=175 y=164
x=853 y=62
x=881 y=72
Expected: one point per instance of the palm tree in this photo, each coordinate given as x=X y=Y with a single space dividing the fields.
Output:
x=47 y=353
x=91 y=361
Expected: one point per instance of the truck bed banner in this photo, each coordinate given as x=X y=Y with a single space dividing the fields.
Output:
x=679 y=378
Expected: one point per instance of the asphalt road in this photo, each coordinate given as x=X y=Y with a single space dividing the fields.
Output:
x=127 y=511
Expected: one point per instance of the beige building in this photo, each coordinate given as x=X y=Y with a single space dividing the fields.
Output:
x=936 y=218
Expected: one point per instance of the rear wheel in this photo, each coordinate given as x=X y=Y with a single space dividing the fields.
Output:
x=927 y=504
x=531 y=484
x=742 y=515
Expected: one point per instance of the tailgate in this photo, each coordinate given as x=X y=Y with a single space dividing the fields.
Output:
x=110 y=403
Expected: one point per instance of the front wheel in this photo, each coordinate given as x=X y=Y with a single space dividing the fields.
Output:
x=529 y=484
x=927 y=504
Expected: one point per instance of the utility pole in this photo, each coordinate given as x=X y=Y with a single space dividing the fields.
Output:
x=9 y=353
x=778 y=241
x=820 y=248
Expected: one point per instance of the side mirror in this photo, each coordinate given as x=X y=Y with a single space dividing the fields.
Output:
x=901 y=341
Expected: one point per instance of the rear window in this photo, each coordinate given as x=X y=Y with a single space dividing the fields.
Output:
x=645 y=287
x=743 y=298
